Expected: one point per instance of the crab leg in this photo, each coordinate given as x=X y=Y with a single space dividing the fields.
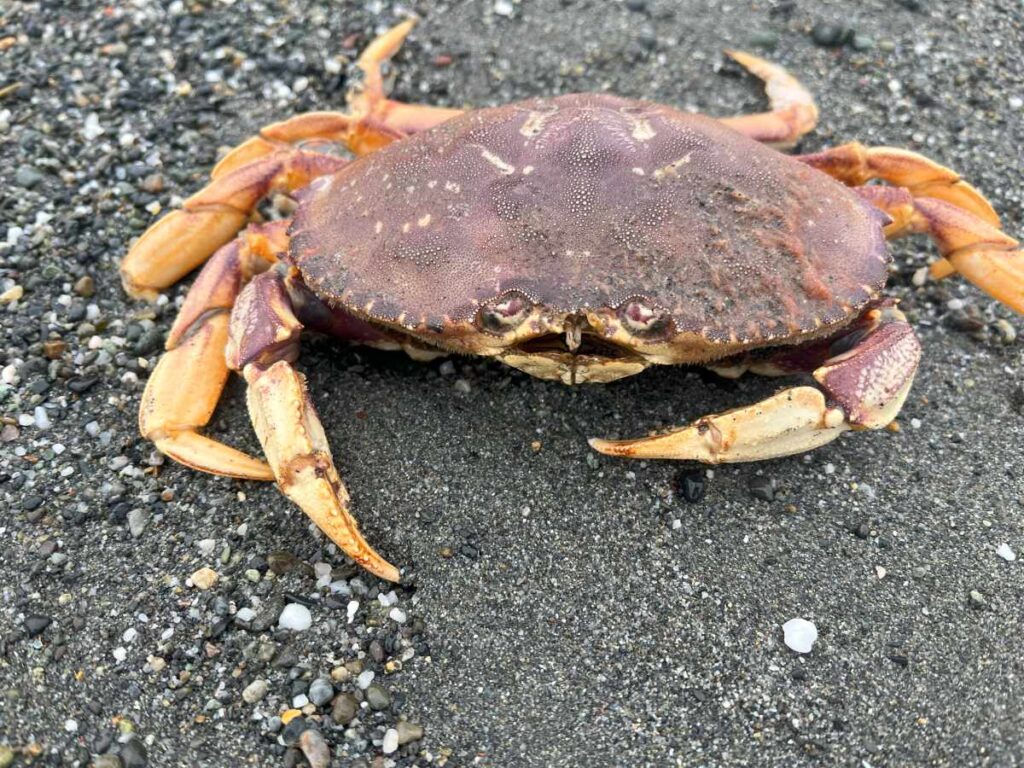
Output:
x=793 y=110
x=264 y=342
x=862 y=385
x=184 y=239
x=371 y=122
x=854 y=165
x=982 y=253
x=184 y=388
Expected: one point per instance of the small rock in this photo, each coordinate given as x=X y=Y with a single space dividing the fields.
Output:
x=977 y=599
x=390 y=741
x=829 y=35
x=6 y=756
x=503 y=8
x=762 y=488
x=27 y=176
x=137 y=520
x=408 y=732
x=295 y=617
x=315 y=748
x=321 y=691
x=344 y=708
x=377 y=697
x=154 y=183
x=204 y=579
x=84 y=287
x=365 y=678
x=254 y=691
x=35 y=623
x=799 y=635
x=691 y=485
x=1006 y=552
x=12 y=294
x=1007 y=333
x=103 y=761
x=133 y=754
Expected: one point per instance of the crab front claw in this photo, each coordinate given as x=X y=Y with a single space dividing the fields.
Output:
x=862 y=387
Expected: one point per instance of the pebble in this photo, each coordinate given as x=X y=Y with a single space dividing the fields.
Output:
x=799 y=635
x=397 y=615
x=204 y=579
x=829 y=35
x=6 y=756
x=321 y=691
x=254 y=691
x=390 y=741
x=35 y=623
x=408 y=731
x=1006 y=552
x=1007 y=333
x=133 y=754
x=503 y=8
x=107 y=761
x=762 y=488
x=315 y=748
x=365 y=678
x=377 y=697
x=977 y=599
x=344 y=709
x=295 y=617
x=245 y=614
x=137 y=521
x=27 y=176
x=691 y=485
x=84 y=287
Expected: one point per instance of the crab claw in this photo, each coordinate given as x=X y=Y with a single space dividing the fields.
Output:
x=862 y=387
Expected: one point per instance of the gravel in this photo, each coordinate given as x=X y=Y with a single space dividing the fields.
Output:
x=563 y=608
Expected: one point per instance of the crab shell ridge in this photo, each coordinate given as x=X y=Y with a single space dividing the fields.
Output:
x=665 y=234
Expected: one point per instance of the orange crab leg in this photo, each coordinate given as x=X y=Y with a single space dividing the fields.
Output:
x=855 y=165
x=793 y=112
x=184 y=239
x=862 y=385
x=184 y=388
x=264 y=340
x=982 y=253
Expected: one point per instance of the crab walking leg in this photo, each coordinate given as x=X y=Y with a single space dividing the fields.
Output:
x=182 y=392
x=184 y=239
x=793 y=110
x=985 y=255
x=264 y=342
x=372 y=120
x=855 y=165
x=862 y=387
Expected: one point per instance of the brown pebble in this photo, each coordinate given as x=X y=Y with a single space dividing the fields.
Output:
x=442 y=60
x=315 y=748
x=85 y=286
x=153 y=183
x=54 y=349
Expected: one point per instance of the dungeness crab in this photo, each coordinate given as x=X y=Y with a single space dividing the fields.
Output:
x=579 y=238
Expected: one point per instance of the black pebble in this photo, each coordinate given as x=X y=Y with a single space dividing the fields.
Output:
x=762 y=488
x=35 y=623
x=691 y=485
x=133 y=754
x=830 y=35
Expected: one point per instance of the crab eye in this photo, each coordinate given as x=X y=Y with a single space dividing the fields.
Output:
x=643 y=318
x=504 y=313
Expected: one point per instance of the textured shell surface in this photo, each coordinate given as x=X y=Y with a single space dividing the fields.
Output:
x=584 y=202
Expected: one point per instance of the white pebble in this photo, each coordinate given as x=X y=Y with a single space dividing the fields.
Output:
x=300 y=701
x=41 y=419
x=390 y=741
x=245 y=614
x=1016 y=102
x=71 y=726
x=129 y=635
x=880 y=572
x=340 y=587
x=120 y=654
x=92 y=128
x=1006 y=552
x=387 y=599
x=799 y=635
x=397 y=615
x=295 y=617
x=365 y=678
x=206 y=546
x=353 y=606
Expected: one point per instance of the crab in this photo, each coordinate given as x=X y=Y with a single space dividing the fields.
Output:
x=578 y=238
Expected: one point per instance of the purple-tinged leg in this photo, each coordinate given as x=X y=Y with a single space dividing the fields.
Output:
x=864 y=378
x=264 y=342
